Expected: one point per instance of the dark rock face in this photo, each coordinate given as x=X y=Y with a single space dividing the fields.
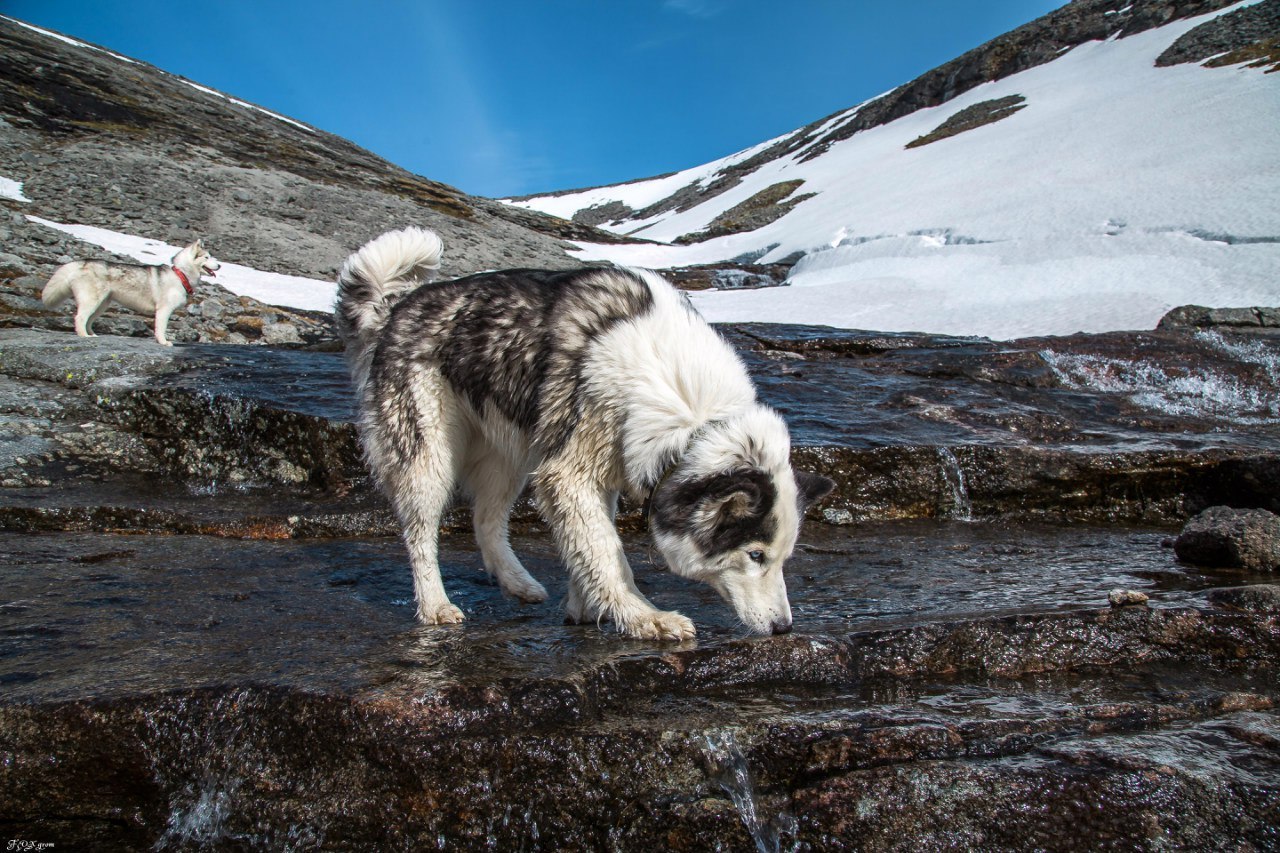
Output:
x=1260 y=320
x=1244 y=35
x=909 y=426
x=769 y=205
x=602 y=214
x=1235 y=538
x=734 y=276
x=984 y=113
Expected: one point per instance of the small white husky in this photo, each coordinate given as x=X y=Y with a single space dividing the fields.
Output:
x=145 y=289
x=593 y=382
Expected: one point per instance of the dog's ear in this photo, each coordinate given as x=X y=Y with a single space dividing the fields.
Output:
x=812 y=488
x=741 y=502
x=733 y=500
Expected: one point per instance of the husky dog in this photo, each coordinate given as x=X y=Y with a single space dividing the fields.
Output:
x=146 y=289
x=593 y=382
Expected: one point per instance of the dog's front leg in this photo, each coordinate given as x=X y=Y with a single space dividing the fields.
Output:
x=163 y=312
x=599 y=575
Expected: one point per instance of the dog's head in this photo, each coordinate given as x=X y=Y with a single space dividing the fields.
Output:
x=199 y=258
x=729 y=514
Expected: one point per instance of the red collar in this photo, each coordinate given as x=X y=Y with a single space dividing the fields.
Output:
x=185 y=282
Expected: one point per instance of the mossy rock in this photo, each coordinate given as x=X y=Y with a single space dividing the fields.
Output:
x=769 y=205
x=983 y=113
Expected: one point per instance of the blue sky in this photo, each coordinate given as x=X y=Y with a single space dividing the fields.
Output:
x=506 y=97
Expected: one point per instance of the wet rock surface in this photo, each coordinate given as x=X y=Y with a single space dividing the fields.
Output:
x=293 y=704
x=207 y=641
x=1261 y=597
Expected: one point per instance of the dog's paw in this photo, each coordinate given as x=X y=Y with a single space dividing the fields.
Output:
x=525 y=589
x=661 y=625
x=445 y=614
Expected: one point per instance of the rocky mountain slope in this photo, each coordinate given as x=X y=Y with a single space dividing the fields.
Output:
x=99 y=139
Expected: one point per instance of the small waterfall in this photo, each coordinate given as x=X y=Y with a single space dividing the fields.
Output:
x=204 y=757
x=201 y=804
x=961 y=504
x=730 y=772
x=1254 y=352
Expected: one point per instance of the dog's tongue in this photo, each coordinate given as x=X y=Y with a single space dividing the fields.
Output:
x=211 y=273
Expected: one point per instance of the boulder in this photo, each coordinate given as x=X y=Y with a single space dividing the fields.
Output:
x=1237 y=319
x=1257 y=598
x=1225 y=537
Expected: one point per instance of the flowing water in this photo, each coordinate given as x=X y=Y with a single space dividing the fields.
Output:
x=102 y=615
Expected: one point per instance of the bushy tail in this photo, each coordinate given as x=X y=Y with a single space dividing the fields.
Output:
x=58 y=290
x=374 y=278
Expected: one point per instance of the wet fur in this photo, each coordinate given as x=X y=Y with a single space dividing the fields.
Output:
x=146 y=289
x=592 y=383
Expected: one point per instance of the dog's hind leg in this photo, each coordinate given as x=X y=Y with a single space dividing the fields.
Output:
x=495 y=485
x=412 y=446
x=88 y=310
x=98 y=312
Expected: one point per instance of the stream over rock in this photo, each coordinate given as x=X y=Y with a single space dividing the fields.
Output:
x=207 y=637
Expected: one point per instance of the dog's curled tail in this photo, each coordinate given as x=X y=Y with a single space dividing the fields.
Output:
x=58 y=290
x=375 y=277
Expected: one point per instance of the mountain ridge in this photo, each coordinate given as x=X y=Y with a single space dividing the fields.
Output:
x=1061 y=178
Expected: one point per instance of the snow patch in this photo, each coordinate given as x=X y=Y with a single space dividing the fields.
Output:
x=12 y=190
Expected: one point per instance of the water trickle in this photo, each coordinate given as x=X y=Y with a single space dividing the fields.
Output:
x=961 y=504
x=201 y=806
x=1176 y=390
x=201 y=823
x=1255 y=352
x=729 y=770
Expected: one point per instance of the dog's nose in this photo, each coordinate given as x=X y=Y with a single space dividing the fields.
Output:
x=782 y=627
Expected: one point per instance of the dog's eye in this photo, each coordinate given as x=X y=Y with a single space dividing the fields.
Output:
x=756 y=556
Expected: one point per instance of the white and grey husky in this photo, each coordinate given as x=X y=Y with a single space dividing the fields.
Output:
x=593 y=382
x=145 y=289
